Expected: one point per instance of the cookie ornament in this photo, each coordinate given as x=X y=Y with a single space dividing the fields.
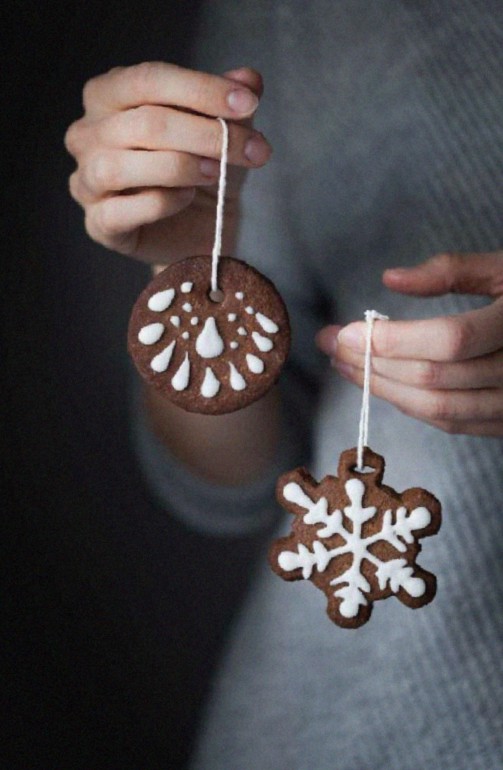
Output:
x=353 y=537
x=211 y=333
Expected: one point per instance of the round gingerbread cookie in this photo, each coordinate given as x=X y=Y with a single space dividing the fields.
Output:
x=210 y=355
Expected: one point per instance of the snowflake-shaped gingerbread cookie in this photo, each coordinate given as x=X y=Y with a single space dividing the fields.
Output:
x=210 y=355
x=355 y=538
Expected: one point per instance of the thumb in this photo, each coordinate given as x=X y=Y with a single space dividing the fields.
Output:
x=450 y=272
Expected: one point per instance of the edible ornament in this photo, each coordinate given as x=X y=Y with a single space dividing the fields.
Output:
x=353 y=537
x=211 y=333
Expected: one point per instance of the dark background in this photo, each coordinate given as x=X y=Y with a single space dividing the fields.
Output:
x=113 y=613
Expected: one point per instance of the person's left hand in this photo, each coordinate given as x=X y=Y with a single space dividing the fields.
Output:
x=446 y=371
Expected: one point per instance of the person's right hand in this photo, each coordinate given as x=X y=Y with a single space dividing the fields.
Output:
x=148 y=150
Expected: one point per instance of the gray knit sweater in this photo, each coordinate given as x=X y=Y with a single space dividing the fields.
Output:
x=386 y=119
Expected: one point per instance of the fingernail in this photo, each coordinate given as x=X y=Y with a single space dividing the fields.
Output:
x=209 y=167
x=352 y=338
x=346 y=370
x=257 y=150
x=326 y=339
x=242 y=101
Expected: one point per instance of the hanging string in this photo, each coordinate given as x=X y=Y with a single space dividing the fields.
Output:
x=222 y=182
x=370 y=317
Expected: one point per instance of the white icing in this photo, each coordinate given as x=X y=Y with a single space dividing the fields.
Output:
x=353 y=584
x=239 y=295
x=182 y=376
x=175 y=320
x=161 y=300
x=234 y=345
x=242 y=331
x=185 y=335
x=187 y=307
x=211 y=385
x=231 y=317
x=161 y=362
x=267 y=325
x=194 y=321
x=263 y=343
x=186 y=287
x=250 y=310
x=149 y=335
x=237 y=381
x=255 y=364
x=209 y=343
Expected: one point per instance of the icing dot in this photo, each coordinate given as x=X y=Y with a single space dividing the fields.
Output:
x=266 y=324
x=237 y=381
x=161 y=300
x=194 y=321
x=182 y=376
x=242 y=331
x=187 y=307
x=211 y=385
x=234 y=345
x=186 y=287
x=254 y=363
x=209 y=344
x=175 y=320
x=263 y=344
x=239 y=295
x=250 y=310
x=231 y=317
x=149 y=335
x=185 y=336
x=161 y=362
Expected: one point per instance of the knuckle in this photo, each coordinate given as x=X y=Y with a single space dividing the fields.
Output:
x=142 y=76
x=72 y=137
x=451 y=427
x=75 y=187
x=89 y=91
x=101 y=172
x=459 y=335
x=101 y=223
x=439 y=408
x=147 y=122
x=428 y=374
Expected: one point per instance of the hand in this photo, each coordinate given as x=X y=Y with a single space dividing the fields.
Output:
x=445 y=371
x=148 y=150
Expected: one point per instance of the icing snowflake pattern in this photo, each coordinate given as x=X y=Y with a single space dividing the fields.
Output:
x=356 y=539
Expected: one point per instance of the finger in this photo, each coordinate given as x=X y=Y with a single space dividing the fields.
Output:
x=483 y=372
x=116 y=222
x=450 y=272
x=449 y=338
x=115 y=170
x=160 y=128
x=248 y=77
x=168 y=84
x=434 y=405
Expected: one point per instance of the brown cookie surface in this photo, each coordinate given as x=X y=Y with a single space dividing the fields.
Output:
x=355 y=538
x=210 y=356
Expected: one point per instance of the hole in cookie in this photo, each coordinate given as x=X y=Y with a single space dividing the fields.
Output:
x=217 y=295
x=365 y=469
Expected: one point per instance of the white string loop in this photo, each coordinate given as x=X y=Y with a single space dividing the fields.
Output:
x=370 y=317
x=222 y=183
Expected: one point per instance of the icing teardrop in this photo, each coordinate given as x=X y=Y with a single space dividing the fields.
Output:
x=181 y=378
x=238 y=382
x=161 y=300
x=211 y=385
x=161 y=361
x=209 y=343
x=150 y=334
